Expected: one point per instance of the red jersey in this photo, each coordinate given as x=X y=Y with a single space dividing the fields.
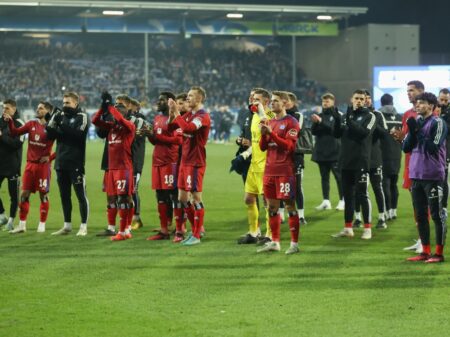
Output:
x=120 y=138
x=38 y=143
x=166 y=141
x=195 y=128
x=280 y=146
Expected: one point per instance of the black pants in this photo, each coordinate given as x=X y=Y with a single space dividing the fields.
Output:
x=13 y=189
x=445 y=188
x=66 y=179
x=325 y=168
x=427 y=194
x=390 y=190
x=354 y=187
x=135 y=195
x=299 y=163
x=376 y=180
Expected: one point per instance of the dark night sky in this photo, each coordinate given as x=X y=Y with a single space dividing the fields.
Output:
x=433 y=16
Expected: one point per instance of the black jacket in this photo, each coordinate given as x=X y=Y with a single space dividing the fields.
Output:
x=70 y=134
x=138 y=146
x=103 y=134
x=326 y=147
x=390 y=148
x=10 y=149
x=299 y=158
x=355 y=130
x=445 y=115
x=376 y=159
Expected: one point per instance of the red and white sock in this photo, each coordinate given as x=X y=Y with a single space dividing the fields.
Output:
x=43 y=210
x=24 y=208
x=294 y=226
x=275 y=224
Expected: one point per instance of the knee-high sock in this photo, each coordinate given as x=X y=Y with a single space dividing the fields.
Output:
x=294 y=226
x=43 y=210
x=179 y=218
x=253 y=215
x=162 y=211
x=275 y=224
x=24 y=208
x=199 y=214
x=189 y=210
x=123 y=213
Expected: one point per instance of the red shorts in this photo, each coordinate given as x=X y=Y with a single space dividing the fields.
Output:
x=407 y=183
x=164 y=177
x=279 y=187
x=190 y=178
x=36 y=177
x=119 y=182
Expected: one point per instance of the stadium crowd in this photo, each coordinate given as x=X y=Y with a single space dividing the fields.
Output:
x=87 y=70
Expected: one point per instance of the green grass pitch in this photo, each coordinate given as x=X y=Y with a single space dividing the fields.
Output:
x=72 y=286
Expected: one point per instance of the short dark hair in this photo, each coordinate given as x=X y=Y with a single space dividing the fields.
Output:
x=427 y=97
x=10 y=101
x=263 y=92
x=168 y=94
x=46 y=105
x=417 y=84
x=444 y=91
x=359 y=92
x=387 y=99
x=182 y=96
x=367 y=92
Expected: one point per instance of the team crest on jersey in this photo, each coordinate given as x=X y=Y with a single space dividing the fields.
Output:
x=282 y=127
x=359 y=118
x=72 y=120
x=331 y=119
x=158 y=131
x=37 y=137
x=33 y=128
x=113 y=136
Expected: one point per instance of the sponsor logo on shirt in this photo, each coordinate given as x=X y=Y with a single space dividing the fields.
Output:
x=37 y=137
x=292 y=132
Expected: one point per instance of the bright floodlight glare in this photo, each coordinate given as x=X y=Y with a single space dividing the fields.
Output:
x=324 y=17
x=113 y=12
x=235 y=15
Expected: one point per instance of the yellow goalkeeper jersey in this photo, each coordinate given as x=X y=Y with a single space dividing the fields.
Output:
x=258 y=162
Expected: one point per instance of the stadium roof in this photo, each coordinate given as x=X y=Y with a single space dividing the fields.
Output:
x=171 y=10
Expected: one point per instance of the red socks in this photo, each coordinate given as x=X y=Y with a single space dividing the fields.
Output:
x=43 y=210
x=189 y=211
x=426 y=249
x=367 y=225
x=275 y=224
x=199 y=214
x=179 y=219
x=124 y=213
x=24 y=208
x=348 y=225
x=294 y=226
x=439 y=250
